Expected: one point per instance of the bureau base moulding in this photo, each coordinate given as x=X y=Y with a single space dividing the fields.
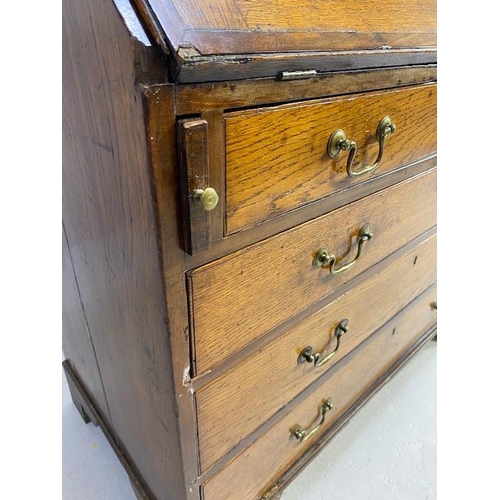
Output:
x=89 y=414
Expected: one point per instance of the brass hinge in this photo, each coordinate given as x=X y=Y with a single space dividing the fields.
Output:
x=269 y=493
x=297 y=75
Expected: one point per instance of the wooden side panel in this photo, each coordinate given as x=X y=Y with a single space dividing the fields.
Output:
x=77 y=342
x=276 y=158
x=241 y=400
x=273 y=280
x=110 y=225
x=256 y=469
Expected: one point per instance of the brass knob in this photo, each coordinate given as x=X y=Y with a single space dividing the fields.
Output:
x=208 y=198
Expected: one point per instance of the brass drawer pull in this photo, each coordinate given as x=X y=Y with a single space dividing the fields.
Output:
x=307 y=355
x=303 y=434
x=338 y=142
x=325 y=260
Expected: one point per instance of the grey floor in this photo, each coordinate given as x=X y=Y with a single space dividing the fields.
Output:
x=387 y=452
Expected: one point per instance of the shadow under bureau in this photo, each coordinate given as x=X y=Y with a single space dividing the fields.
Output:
x=249 y=228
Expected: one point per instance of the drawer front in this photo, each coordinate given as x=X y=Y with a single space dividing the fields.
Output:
x=241 y=400
x=254 y=471
x=237 y=299
x=276 y=158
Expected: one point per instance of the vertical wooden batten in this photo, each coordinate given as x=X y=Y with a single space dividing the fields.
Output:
x=160 y=126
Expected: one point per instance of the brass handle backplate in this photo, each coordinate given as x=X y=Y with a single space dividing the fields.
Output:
x=304 y=434
x=308 y=356
x=324 y=259
x=208 y=198
x=338 y=142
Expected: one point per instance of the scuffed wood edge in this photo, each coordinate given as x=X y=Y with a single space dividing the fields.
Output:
x=159 y=109
x=240 y=67
x=199 y=98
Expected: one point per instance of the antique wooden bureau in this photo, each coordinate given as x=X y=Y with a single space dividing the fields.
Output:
x=249 y=227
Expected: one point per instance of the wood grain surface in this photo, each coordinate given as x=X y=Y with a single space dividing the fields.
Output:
x=109 y=220
x=217 y=27
x=200 y=152
x=77 y=343
x=238 y=39
x=261 y=464
x=238 y=298
x=142 y=318
x=232 y=243
x=306 y=15
x=203 y=97
x=214 y=69
x=160 y=127
x=236 y=404
x=194 y=166
x=276 y=157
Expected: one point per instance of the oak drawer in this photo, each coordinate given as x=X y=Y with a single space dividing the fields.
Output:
x=276 y=158
x=255 y=470
x=238 y=298
x=241 y=400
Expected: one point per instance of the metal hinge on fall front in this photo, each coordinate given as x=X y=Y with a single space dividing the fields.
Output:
x=270 y=493
x=296 y=75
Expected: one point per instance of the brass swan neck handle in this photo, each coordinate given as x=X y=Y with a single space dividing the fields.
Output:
x=324 y=259
x=338 y=142
x=301 y=434
x=308 y=356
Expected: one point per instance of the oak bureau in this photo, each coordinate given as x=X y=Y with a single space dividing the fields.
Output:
x=249 y=227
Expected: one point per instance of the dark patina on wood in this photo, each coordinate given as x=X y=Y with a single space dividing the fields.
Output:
x=109 y=223
x=236 y=39
x=145 y=355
